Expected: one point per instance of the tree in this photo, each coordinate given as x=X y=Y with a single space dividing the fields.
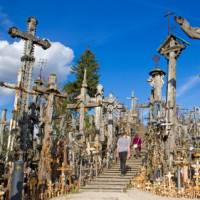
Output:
x=86 y=61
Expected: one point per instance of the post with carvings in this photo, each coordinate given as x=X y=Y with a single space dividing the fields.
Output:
x=98 y=112
x=83 y=99
x=156 y=82
x=44 y=172
x=2 y=128
x=110 y=108
x=171 y=48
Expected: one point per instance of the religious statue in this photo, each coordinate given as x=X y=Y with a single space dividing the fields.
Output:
x=192 y=32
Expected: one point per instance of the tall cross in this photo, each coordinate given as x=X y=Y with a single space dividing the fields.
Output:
x=133 y=99
x=168 y=15
x=44 y=172
x=42 y=63
x=84 y=101
x=27 y=60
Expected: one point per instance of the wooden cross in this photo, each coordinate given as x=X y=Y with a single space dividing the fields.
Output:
x=169 y=176
x=133 y=99
x=84 y=101
x=25 y=74
x=44 y=172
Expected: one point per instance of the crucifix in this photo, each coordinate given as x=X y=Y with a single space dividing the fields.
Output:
x=192 y=32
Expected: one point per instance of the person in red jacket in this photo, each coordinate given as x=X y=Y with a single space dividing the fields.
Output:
x=137 y=142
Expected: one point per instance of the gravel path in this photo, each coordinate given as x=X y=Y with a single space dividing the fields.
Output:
x=133 y=194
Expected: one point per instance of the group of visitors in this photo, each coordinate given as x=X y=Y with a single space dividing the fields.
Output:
x=124 y=145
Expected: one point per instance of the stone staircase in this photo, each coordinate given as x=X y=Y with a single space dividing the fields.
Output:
x=111 y=180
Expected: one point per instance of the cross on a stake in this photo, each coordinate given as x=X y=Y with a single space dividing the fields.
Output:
x=30 y=34
x=168 y=15
x=42 y=63
x=25 y=74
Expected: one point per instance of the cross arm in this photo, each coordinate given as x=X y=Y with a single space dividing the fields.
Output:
x=14 y=32
x=92 y=105
x=15 y=87
x=72 y=106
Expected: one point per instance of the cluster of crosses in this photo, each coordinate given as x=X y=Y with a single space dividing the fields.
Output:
x=172 y=137
x=47 y=153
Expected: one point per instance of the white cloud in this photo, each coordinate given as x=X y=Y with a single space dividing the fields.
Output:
x=59 y=59
x=189 y=84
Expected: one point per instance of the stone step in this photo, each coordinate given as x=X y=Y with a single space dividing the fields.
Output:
x=127 y=167
x=101 y=190
x=115 y=177
x=128 y=172
x=103 y=187
x=111 y=180
x=107 y=183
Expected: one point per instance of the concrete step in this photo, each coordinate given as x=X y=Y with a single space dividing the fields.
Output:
x=101 y=190
x=114 y=178
x=103 y=187
x=111 y=180
x=117 y=180
x=108 y=183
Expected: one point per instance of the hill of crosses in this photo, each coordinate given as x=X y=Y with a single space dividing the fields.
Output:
x=58 y=144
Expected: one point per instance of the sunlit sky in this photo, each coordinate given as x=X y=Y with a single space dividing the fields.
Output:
x=123 y=34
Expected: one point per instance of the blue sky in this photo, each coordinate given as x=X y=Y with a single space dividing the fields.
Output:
x=123 y=34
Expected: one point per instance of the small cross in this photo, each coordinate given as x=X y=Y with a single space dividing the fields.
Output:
x=169 y=176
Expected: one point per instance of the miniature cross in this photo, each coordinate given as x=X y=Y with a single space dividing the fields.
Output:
x=169 y=176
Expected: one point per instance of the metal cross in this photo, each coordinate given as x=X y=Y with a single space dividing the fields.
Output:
x=168 y=15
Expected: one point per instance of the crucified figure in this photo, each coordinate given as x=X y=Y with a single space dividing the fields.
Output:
x=192 y=32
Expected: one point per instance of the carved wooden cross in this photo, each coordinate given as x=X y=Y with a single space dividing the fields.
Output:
x=25 y=73
x=30 y=34
x=44 y=172
x=84 y=102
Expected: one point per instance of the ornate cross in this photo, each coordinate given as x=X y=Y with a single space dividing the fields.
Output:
x=25 y=74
